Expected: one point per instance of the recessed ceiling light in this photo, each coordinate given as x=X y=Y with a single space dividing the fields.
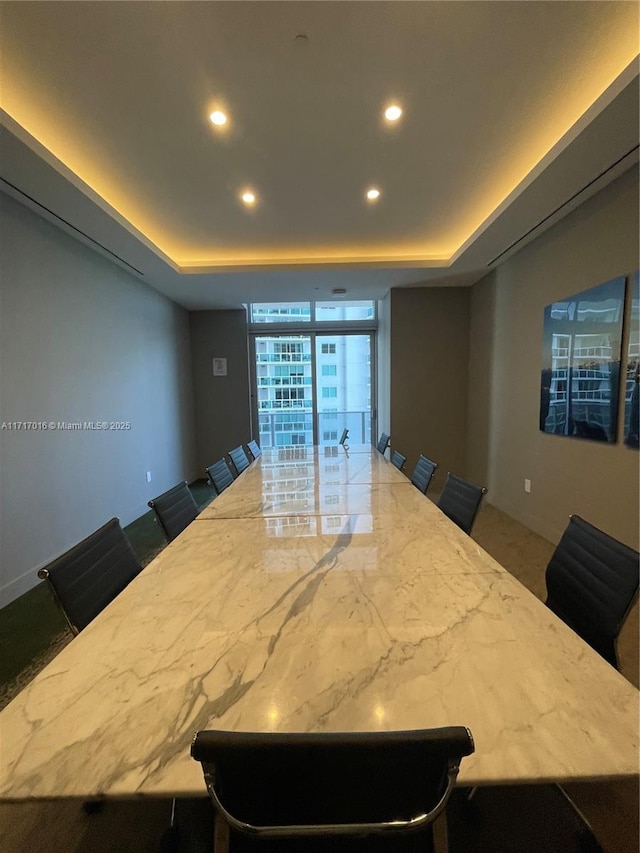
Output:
x=248 y=198
x=373 y=194
x=218 y=118
x=393 y=112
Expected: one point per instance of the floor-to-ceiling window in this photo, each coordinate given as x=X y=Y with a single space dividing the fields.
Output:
x=313 y=372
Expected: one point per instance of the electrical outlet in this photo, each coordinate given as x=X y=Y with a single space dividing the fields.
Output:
x=148 y=476
x=527 y=486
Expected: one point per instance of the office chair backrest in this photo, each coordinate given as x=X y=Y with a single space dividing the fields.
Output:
x=460 y=501
x=175 y=509
x=239 y=458
x=344 y=436
x=92 y=573
x=220 y=475
x=423 y=473
x=255 y=449
x=398 y=460
x=279 y=785
x=592 y=581
x=383 y=442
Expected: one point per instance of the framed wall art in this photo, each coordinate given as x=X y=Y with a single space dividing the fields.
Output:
x=580 y=378
x=632 y=384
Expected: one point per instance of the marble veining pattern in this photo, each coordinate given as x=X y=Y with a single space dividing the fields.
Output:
x=387 y=619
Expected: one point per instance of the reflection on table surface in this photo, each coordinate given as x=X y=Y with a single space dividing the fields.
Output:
x=334 y=485
x=314 y=499
x=328 y=451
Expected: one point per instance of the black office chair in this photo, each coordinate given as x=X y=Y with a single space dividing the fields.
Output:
x=332 y=787
x=239 y=458
x=460 y=501
x=175 y=509
x=255 y=449
x=398 y=460
x=592 y=581
x=423 y=473
x=383 y=442
x=220 y=475
x=344 y=436
x=91 y=574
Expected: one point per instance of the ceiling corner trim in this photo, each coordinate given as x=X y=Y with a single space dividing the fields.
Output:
x=614 y=169
x=33 y=204
x=41 y=151
x=628 y=74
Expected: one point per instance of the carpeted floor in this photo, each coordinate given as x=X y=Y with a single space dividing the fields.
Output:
x=521 y=819
x=33 y=629
x=526 y=555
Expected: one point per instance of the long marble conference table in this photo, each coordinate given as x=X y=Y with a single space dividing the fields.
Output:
x=321 y=591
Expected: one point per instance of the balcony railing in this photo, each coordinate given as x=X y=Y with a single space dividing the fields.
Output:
x=276 y=431
x=279 y=358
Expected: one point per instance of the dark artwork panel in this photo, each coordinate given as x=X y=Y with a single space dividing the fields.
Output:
x=580 y=377
x=632 y=387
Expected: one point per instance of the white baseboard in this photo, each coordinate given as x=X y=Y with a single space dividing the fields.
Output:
x=18 y=586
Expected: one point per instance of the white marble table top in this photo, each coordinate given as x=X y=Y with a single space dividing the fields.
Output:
x=383 y=619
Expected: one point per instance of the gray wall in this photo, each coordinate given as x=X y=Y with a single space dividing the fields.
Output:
x=222 y=410
x=81 y=340
x=384 y=365
x=429 y=372
x=595 y=243
x=481 y=387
